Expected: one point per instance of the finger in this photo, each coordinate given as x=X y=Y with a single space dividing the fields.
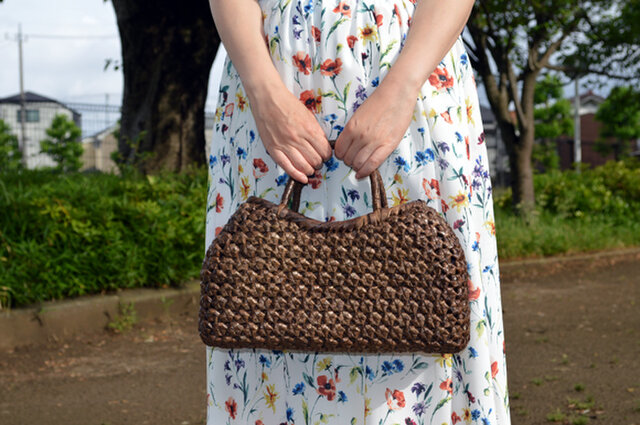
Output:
x=374 y=161
x=320 y=144
x=282 y=160
x=310 y=154
x=342 y=144
x=299 y=161
x=354 y=148
x=362 y=155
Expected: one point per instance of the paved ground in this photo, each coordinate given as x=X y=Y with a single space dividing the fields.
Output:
x=572 y=338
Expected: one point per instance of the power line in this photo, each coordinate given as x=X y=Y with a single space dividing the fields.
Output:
x=71 y=36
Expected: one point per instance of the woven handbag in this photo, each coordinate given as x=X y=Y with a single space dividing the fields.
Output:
x=393 y=280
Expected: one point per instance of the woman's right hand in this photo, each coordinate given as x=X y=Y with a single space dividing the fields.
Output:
x=289 y=131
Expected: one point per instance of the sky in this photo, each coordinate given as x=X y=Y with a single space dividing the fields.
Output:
x=68 y=69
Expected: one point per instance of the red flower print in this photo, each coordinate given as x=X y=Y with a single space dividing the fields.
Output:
x=326 y=387
x=351 y=41
x=303 y=62
x=344 y=9
x=444 y=205
x=409 y=421
x=228 y=110
x=440 y=79
x=378 y=17
x=232 y=407
x=466 y=142
x=472 y=399
x=259 y=163
x=218 y=230
x=315 y=31
x=457 y=224
x=435 y=185
x=259 y=168
x=311 y=101
x=446 y=116
x=315 y=183
x=474 y=293
x=427 y=191
x=494 y=369
x=259 y=422
x=396 y=13
x=455 y=418
x=447 y=386
x=336 y=376
x=395 y=399
x=331 y=68
x=332 y=218
x=219 y=202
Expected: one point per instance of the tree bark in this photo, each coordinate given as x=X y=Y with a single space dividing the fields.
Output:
x=168 y=49
x=517 y=133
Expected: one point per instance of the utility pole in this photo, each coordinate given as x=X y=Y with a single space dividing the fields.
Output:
x=23 y=109
x=577 y=145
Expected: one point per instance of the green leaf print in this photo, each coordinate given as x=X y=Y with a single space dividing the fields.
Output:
x=305 y=411
x=480 y=327
x=440 y=404
x=335 y=25
x=308 y=380
x=353 y=374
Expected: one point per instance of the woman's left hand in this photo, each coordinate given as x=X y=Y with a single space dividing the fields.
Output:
x=376 y=128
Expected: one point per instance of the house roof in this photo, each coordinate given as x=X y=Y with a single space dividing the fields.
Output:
x=31 y=97
x=587 y=95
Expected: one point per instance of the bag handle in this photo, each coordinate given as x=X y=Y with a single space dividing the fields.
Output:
x=294 y=187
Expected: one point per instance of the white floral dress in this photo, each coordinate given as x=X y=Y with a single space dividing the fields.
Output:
x=332 y=55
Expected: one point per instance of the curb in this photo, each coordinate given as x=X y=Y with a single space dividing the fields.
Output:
x=56 y=320
x=510 y=265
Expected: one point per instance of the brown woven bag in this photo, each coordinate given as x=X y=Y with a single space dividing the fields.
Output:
x=393 y=280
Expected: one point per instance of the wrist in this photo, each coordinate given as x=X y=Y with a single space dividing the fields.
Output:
x=399 y=85
x=263 y=85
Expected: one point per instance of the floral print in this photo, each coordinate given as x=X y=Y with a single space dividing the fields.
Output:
x=332 y=55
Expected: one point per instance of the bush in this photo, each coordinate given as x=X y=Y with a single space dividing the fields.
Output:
x=64 y=235
x=10 y=155
x=596 y=209
x=63 y=144
x=612 y=190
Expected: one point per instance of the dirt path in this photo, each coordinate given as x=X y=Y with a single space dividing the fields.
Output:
x=572 y=332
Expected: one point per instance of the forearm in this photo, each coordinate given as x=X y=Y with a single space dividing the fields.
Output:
x=239 y=24
x=435 y=26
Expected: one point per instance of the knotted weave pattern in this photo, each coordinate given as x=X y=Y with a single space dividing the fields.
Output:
x=394 y=280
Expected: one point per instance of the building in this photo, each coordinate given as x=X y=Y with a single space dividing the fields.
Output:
x=98 y=148
x=40 y=111
x=589 y=133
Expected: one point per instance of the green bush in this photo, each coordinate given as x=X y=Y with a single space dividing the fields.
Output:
x=10 y=155
x=596 y=209
x=63 y=235
x=63 y=144
x=612 y=189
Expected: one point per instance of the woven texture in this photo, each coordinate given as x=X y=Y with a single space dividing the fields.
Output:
x=393 y=280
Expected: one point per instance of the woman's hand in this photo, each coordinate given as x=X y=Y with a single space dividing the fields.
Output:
x=376 y=128
x=289 y=131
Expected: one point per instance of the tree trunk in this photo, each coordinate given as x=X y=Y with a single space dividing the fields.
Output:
x=168 y=49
